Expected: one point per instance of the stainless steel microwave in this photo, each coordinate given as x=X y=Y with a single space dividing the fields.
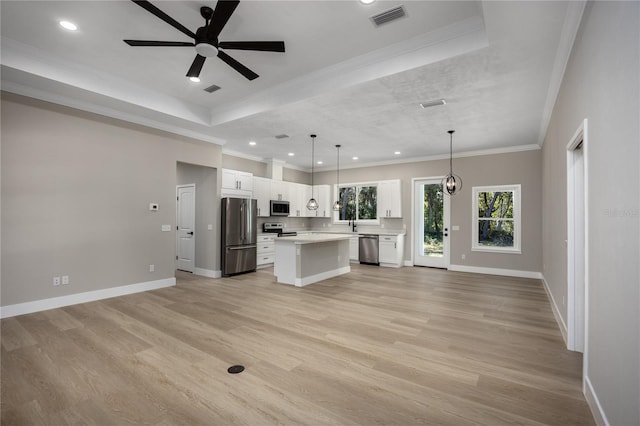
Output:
x=279 y=208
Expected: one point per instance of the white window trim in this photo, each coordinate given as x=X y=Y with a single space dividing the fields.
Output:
x=337 y=221
x=517 y=222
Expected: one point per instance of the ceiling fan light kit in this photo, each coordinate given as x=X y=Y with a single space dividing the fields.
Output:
x=206 y=38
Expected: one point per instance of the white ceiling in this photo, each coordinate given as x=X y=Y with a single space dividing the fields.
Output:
x=497 y=64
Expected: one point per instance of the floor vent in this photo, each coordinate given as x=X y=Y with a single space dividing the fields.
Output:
x=388 y=16
x=282 y=136
x=212 y=89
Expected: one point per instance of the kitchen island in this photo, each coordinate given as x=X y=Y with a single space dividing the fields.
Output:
x=305 y=259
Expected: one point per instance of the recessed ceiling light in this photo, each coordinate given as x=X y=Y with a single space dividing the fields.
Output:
x=291 y=154
x=397 y=153
x=319 y=162
x=68 y=25
x=194 y=79
x=367 y=1
x=355 y=158
x=252 y=143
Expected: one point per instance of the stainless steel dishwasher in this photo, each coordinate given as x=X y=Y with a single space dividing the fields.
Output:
x=368 y=249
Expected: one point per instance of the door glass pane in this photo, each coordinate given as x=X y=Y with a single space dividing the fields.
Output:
x=433 y=223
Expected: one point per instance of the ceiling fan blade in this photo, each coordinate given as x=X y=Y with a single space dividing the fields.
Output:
x=158 y=43
x=265 y=46
x=250 y=75
x=166 y=18
x=223 y=11
x=196 y=66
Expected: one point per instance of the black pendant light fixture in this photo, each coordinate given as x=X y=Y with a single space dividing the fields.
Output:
x=452 y=183
x=337 y=206
x=312 y=204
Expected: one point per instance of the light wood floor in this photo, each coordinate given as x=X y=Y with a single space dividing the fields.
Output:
x=376 y=346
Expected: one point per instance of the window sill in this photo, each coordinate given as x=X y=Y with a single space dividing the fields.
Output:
x=497 y=250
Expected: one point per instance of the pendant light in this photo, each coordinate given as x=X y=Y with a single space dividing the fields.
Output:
x=312 y=204
x=451 y=183
x=337 y=206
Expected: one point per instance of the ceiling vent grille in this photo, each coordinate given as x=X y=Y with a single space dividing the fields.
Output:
x=212 y=89
x=388 y=16
x=282 y=136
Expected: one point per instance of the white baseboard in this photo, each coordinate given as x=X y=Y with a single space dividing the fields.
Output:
x=594 y=403
x=89 y=296
x=301 y=282
x=408 y=263
x=496 y=271
x=207 y=273
x=556 y=311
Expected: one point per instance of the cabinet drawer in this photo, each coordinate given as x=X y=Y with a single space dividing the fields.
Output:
x=264 y=259
x=266 y=247
x=265 y=239
x=388 y=238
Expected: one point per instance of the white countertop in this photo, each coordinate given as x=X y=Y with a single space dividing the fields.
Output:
x=313 y=238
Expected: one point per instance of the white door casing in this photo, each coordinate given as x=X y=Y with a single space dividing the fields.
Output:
x=186 y=218
x=420 y=258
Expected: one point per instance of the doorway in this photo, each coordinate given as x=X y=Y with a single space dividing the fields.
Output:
x=186 y=218
x=431 y=223
x=577 y=240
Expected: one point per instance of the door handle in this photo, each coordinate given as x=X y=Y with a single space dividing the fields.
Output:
x=190 y=233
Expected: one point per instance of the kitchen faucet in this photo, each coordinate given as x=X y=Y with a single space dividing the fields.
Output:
x=353 y=225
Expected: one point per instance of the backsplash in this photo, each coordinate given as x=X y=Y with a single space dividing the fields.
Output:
x=325 y=224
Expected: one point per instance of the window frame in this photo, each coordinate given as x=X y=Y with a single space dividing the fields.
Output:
x=517 y=219
x=358 y=185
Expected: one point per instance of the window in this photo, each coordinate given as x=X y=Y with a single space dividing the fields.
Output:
x=359 y=203
x=496 y=218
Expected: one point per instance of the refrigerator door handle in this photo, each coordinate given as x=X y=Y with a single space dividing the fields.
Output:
x=241 y=247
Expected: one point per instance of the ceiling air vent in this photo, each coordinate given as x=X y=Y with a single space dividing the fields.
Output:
x=388 y=16
x=212 y=89
x=282 y=136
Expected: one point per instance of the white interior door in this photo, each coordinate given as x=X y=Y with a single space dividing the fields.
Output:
x=186 y=212
x=431 y=224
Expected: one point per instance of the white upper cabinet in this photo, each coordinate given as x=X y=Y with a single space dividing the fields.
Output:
x=262 y=194
x=236 y=183
x=280 y=190
x=390 y=198
x=323 y=197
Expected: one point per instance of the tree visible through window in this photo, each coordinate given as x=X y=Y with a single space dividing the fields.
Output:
x=358 y=203
x=496 y=218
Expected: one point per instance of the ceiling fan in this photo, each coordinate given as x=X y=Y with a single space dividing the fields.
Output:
x=206 y=37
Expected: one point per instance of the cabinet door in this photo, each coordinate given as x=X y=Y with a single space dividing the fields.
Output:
x=229 y=179
x=262 y=194
x=323 y=196
x=280 y=190
x=245 y=181
x=388 y=252
x=295 y=200
x=354 y=249
x=390 y=198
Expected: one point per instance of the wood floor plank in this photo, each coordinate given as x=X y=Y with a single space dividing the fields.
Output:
x=375 y=346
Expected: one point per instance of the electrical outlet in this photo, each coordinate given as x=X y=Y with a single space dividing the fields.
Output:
x=65 y=279
x=56 y=280
x=464 y=256
x=210 y=227
x=152 y=268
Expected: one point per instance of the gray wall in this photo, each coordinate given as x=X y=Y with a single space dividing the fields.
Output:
x=498 y=169
x=207 y=213
x=601 y=83
x=76 y=189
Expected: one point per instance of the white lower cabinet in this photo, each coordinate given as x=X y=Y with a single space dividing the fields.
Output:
x=354 y=249
x=391 y=250
x=266 y=251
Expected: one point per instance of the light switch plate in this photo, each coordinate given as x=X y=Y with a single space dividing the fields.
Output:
x=166 y=228
x=210 y=227
x=153 y=207
x=455 y=228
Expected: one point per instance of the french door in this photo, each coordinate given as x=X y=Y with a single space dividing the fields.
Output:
x=431 y=224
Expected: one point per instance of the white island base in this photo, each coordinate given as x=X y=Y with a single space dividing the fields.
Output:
x=307 y=259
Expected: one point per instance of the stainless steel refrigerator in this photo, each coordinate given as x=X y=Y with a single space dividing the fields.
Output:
x=239 y=235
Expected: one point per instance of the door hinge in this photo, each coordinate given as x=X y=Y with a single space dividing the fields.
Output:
x=176 y=257
x=177 y=228
x=177 y=198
